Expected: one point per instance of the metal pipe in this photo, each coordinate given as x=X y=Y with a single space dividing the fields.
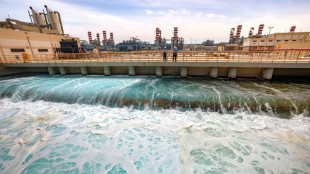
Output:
x=42 y=13
x=30 y=15
x=62 y=29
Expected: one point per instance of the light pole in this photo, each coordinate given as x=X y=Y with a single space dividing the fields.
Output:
x=270 y=29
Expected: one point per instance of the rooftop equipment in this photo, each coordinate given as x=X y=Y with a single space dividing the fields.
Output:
x=54 y=20
x=36 y=16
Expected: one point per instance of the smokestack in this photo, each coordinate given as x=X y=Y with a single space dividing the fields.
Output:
x=293 y=29
x=238 y=31
x=157 y=34
x=232 y=30
x=90 y=38
x=260 y=29
x=104 y=35
x=251 y=32
x=175 y=32
x=111 y=36
x=98 y=38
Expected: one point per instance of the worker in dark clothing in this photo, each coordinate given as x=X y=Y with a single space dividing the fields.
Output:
x=165 y=54
x=175 y=53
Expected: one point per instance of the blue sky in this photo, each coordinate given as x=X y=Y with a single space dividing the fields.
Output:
x=197 y=20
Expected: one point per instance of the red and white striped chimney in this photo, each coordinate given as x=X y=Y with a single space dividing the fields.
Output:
x=238 y=31
x=251 y=32
x=293 y=28
x=98 y=38
x=231 y=36
x=260 y=29
x=111 y=36
x=157 y=34
x=90 y=38
x=104 y=35
x=175 y=32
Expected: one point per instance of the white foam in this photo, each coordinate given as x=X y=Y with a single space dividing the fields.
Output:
x=125 y=136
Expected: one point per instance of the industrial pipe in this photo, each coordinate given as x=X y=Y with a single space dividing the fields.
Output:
x=62 y=29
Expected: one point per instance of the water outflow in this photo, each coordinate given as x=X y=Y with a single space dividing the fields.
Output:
x=223 y=96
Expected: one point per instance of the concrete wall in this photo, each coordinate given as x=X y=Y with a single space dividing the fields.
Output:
x=184 y=69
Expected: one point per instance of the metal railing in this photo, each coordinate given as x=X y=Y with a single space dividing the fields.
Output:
x=269 y=56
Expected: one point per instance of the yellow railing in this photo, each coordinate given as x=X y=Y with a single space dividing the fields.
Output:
x=275 y=56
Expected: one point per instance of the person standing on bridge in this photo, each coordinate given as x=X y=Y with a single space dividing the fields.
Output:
x=175 y=53
x=165 y=53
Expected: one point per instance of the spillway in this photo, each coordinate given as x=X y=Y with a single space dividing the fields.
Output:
x=121 y=124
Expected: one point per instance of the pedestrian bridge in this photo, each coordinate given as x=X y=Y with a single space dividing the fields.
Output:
x=214 y=64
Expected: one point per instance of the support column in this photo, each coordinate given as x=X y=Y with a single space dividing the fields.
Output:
x=132 y=71
x=159 y=71
x=183 y=72
x=63 y=71
x=84 y=71
x=232 y=73
x=213 y=72
x=107 y=71
x=51 y=71
x=267 y=73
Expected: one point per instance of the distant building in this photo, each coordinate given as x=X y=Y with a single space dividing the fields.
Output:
x=208 y=43
x=289 y=40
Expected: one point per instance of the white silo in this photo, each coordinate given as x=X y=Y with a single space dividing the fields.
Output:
x=54 y=19
x=37 y=18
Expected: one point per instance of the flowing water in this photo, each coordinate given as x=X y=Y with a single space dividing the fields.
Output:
x=121 y=124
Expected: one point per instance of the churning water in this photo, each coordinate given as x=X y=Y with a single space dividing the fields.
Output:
x=120 y=124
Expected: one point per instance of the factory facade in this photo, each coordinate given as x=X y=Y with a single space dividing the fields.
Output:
x=291 y=40
x=43 y=36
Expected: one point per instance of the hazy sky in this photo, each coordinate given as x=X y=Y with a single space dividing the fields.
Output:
x=197 y=20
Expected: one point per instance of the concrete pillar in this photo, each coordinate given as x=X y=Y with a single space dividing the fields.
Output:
x=213 y=72
x=267 y=73
x=84 y=71
x=132 y=71
x=232 y=73
x=107 y=71
x=183 y=72
x=159 y=71
x=51 y=71
x=62 y=71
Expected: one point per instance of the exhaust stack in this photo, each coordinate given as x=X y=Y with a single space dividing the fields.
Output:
x=90 y=38
x=293 y=28
x=260 y=29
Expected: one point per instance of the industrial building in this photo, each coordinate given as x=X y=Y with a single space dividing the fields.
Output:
x=44 y=35
x=289 y=40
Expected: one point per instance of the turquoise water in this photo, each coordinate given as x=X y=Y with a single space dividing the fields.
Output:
x=120 y=124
